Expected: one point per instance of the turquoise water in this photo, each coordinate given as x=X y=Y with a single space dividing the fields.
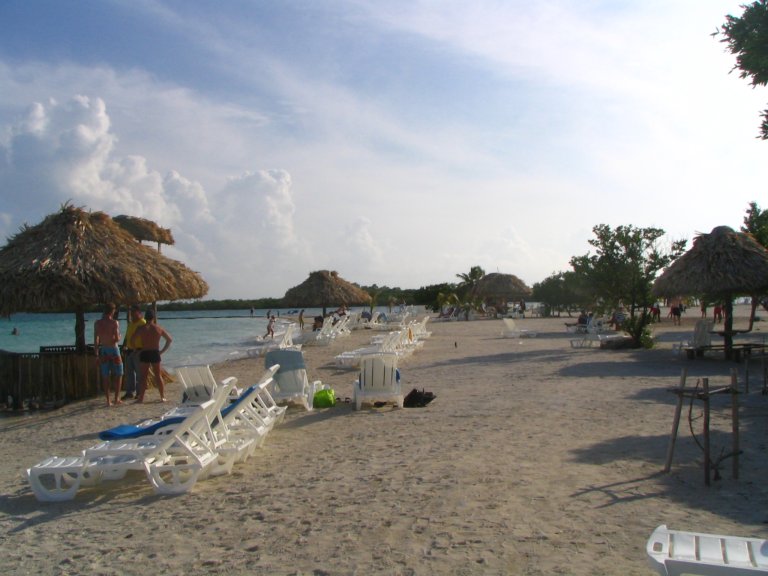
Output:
x=199 y=337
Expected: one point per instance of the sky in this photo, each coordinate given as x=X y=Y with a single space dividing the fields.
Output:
x=398 y=142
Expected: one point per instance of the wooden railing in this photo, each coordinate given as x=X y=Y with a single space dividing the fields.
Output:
x=54 y=376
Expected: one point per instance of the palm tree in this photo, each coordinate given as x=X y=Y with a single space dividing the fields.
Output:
x=469 y=281
x=446 y=299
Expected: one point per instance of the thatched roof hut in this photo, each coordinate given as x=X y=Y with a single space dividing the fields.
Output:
x=74 y=259
x=499 y=289
x=145 y=230
x=720 y=266
x=325 y=288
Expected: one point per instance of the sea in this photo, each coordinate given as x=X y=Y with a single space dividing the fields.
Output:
x=199 y=337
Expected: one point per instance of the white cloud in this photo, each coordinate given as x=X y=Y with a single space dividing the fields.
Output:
x=62 y=152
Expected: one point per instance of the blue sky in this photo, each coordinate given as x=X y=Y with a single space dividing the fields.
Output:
x=399 y=143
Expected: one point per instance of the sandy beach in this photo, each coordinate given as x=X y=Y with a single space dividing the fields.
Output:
x=536 y=458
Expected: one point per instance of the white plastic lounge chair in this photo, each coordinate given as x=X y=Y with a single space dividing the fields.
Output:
x=172 y=461
x=701 y=339
x=385 y=344
x=218 y=442
x=511 y=330
x=291 y=385
x=244 y=422
x=673 y=552
x=198 y=382
x=378 y=381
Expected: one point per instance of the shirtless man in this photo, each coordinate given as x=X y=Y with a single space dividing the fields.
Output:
x=149 y=336
x=106 y=335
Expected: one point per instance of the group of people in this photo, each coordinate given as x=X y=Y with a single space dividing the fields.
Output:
x=141 y=349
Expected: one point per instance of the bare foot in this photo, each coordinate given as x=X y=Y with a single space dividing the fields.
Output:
x=163 y=400
x=139 y=401
x=117 y=401
x=109 y=404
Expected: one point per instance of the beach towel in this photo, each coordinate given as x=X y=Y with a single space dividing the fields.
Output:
x=124 y=431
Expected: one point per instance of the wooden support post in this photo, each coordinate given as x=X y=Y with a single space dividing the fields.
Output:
x=705 y=394
x=676 y=420
x=765 y=373
x=735 y=425
x=747 y=355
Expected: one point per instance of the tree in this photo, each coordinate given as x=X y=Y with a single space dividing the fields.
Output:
x=625 y=264
x=469 y=281
x=756 y=223
x=747 y=38
x=558 y=292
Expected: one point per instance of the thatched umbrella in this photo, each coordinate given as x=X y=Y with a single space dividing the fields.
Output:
x=145 y=230
x=720 y=265
x=74 y=259
x=323 y=289
x=501 y=288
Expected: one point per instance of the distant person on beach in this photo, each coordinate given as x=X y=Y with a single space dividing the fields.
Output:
x=131 y=353
x=703 y=309
x=618 y=318
x=522 y=308
x=151 y=353
x=251 y=311
x=676 y=311
x=718 y=313
x=301 y=320
x=270 y=327
x=15 y=331
x=318 y=323
x=106 y=336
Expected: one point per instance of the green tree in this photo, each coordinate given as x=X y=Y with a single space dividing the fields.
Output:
x=560 y=292
x=445 y=299
x=625 y=264
x=747 y=38
x=470 y=280
x=756 y=223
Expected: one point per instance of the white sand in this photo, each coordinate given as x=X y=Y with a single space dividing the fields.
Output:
x=535 y=458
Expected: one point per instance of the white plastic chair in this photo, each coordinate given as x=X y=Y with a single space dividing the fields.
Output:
x=378 y=381
x=173 y=460
x=291 y=384
x=674 y=552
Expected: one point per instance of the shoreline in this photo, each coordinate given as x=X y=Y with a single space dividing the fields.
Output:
x=535 y=458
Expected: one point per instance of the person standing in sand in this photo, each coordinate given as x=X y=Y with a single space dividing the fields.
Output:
x=132 y=363
x=106 y=335
x=151 y=353
x=301 y=320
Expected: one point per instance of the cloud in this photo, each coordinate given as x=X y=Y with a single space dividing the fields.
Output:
x=66 y=152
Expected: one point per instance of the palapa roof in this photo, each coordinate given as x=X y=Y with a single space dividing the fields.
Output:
x=75 y=258
x=501 y=286
x=325 y=288
x=721 y=263
x=145 y=230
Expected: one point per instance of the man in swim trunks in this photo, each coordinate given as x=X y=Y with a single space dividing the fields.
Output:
x=151 y=354
x=106 y=335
